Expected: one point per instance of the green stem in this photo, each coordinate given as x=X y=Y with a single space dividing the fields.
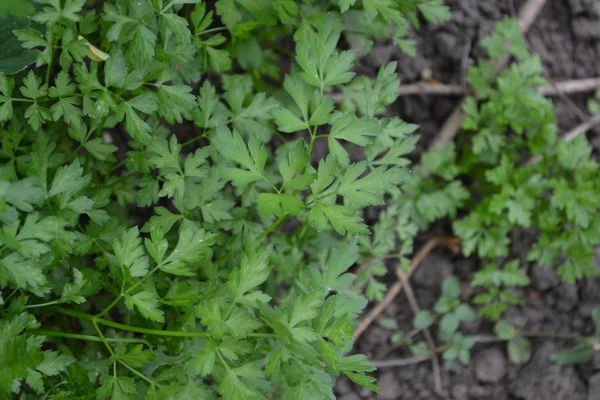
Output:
x=155 y=332
x=22 y=100
x=313 y=201
x=113 y=354
x=273 y=226
x=133 y=287
x=138 y=373
x=103 y=339
x=223 y=360
x=73 y=154
x=220 y=29
x=52 y=389
x=194 y=139
x=89 y=338
x=280 y=136
x=110 y=306
x=271 y=184
x=49 y=303
x=117 y=166
x=49 y=70
x=10 y=295
x=185 y=355
x=121 y=179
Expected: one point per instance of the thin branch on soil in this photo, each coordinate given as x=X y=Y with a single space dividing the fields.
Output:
x=582 y=128
x=448 y=131
x=560 y=90
x=401 y=362
x=414 y=305
x=572 y=134
x=396 y=288
x=528 y=13
x=563 y=94
x=554 y=89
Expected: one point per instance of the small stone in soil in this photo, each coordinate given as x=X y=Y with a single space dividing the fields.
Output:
x=585 y=6
x=343 y=386
x=594 y=387
x=478 y=392
x=534 y=312
x=381 y=55
x=515 y=317
x=490 y=365
x=433 y=271
x=377 y=335
x=459 y=392
x=577 y=324
x=447 y=45
x=350 y=396
x=543 y=278
x=568 y=297
x=586 y=28
x=390 y=386
x=543 y=380
x=596 y=361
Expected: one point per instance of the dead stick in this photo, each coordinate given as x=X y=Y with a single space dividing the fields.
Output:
x=401 y=362
x=582 y=128
x=529 y=13
x=448 y=131
x=414 y=305
x=430 y=88
x=396 y=288
x=558 y=88
x=570 y=86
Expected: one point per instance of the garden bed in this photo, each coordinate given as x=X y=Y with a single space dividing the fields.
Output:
x=566 y=34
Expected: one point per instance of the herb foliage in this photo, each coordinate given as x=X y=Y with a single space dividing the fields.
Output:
x=141 y=260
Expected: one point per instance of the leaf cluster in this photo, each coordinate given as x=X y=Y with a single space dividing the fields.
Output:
x=508 y=171
x=167 y=231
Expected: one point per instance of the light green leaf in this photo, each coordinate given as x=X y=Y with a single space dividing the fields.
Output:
x=451 y=288
x=54 y=363
x=130 y=252
x=147 y=304
x=279 y=204
x=343 y=219
x=354 y=130
x=136 y=127
x=519 y=350
x=423 y=319
x=580 y=354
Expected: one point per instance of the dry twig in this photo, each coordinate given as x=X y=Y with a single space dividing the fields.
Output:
x=555 y=89
x=396 y=288
x=414 y=305
x=401 y=362
x=582 y=128
x=570 y=86
x=448 y=131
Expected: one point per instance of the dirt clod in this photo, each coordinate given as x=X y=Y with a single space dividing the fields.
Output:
x=543 y=278
x=543 y=380
x=594 y=387
x=490 y=365
x=566 y=35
